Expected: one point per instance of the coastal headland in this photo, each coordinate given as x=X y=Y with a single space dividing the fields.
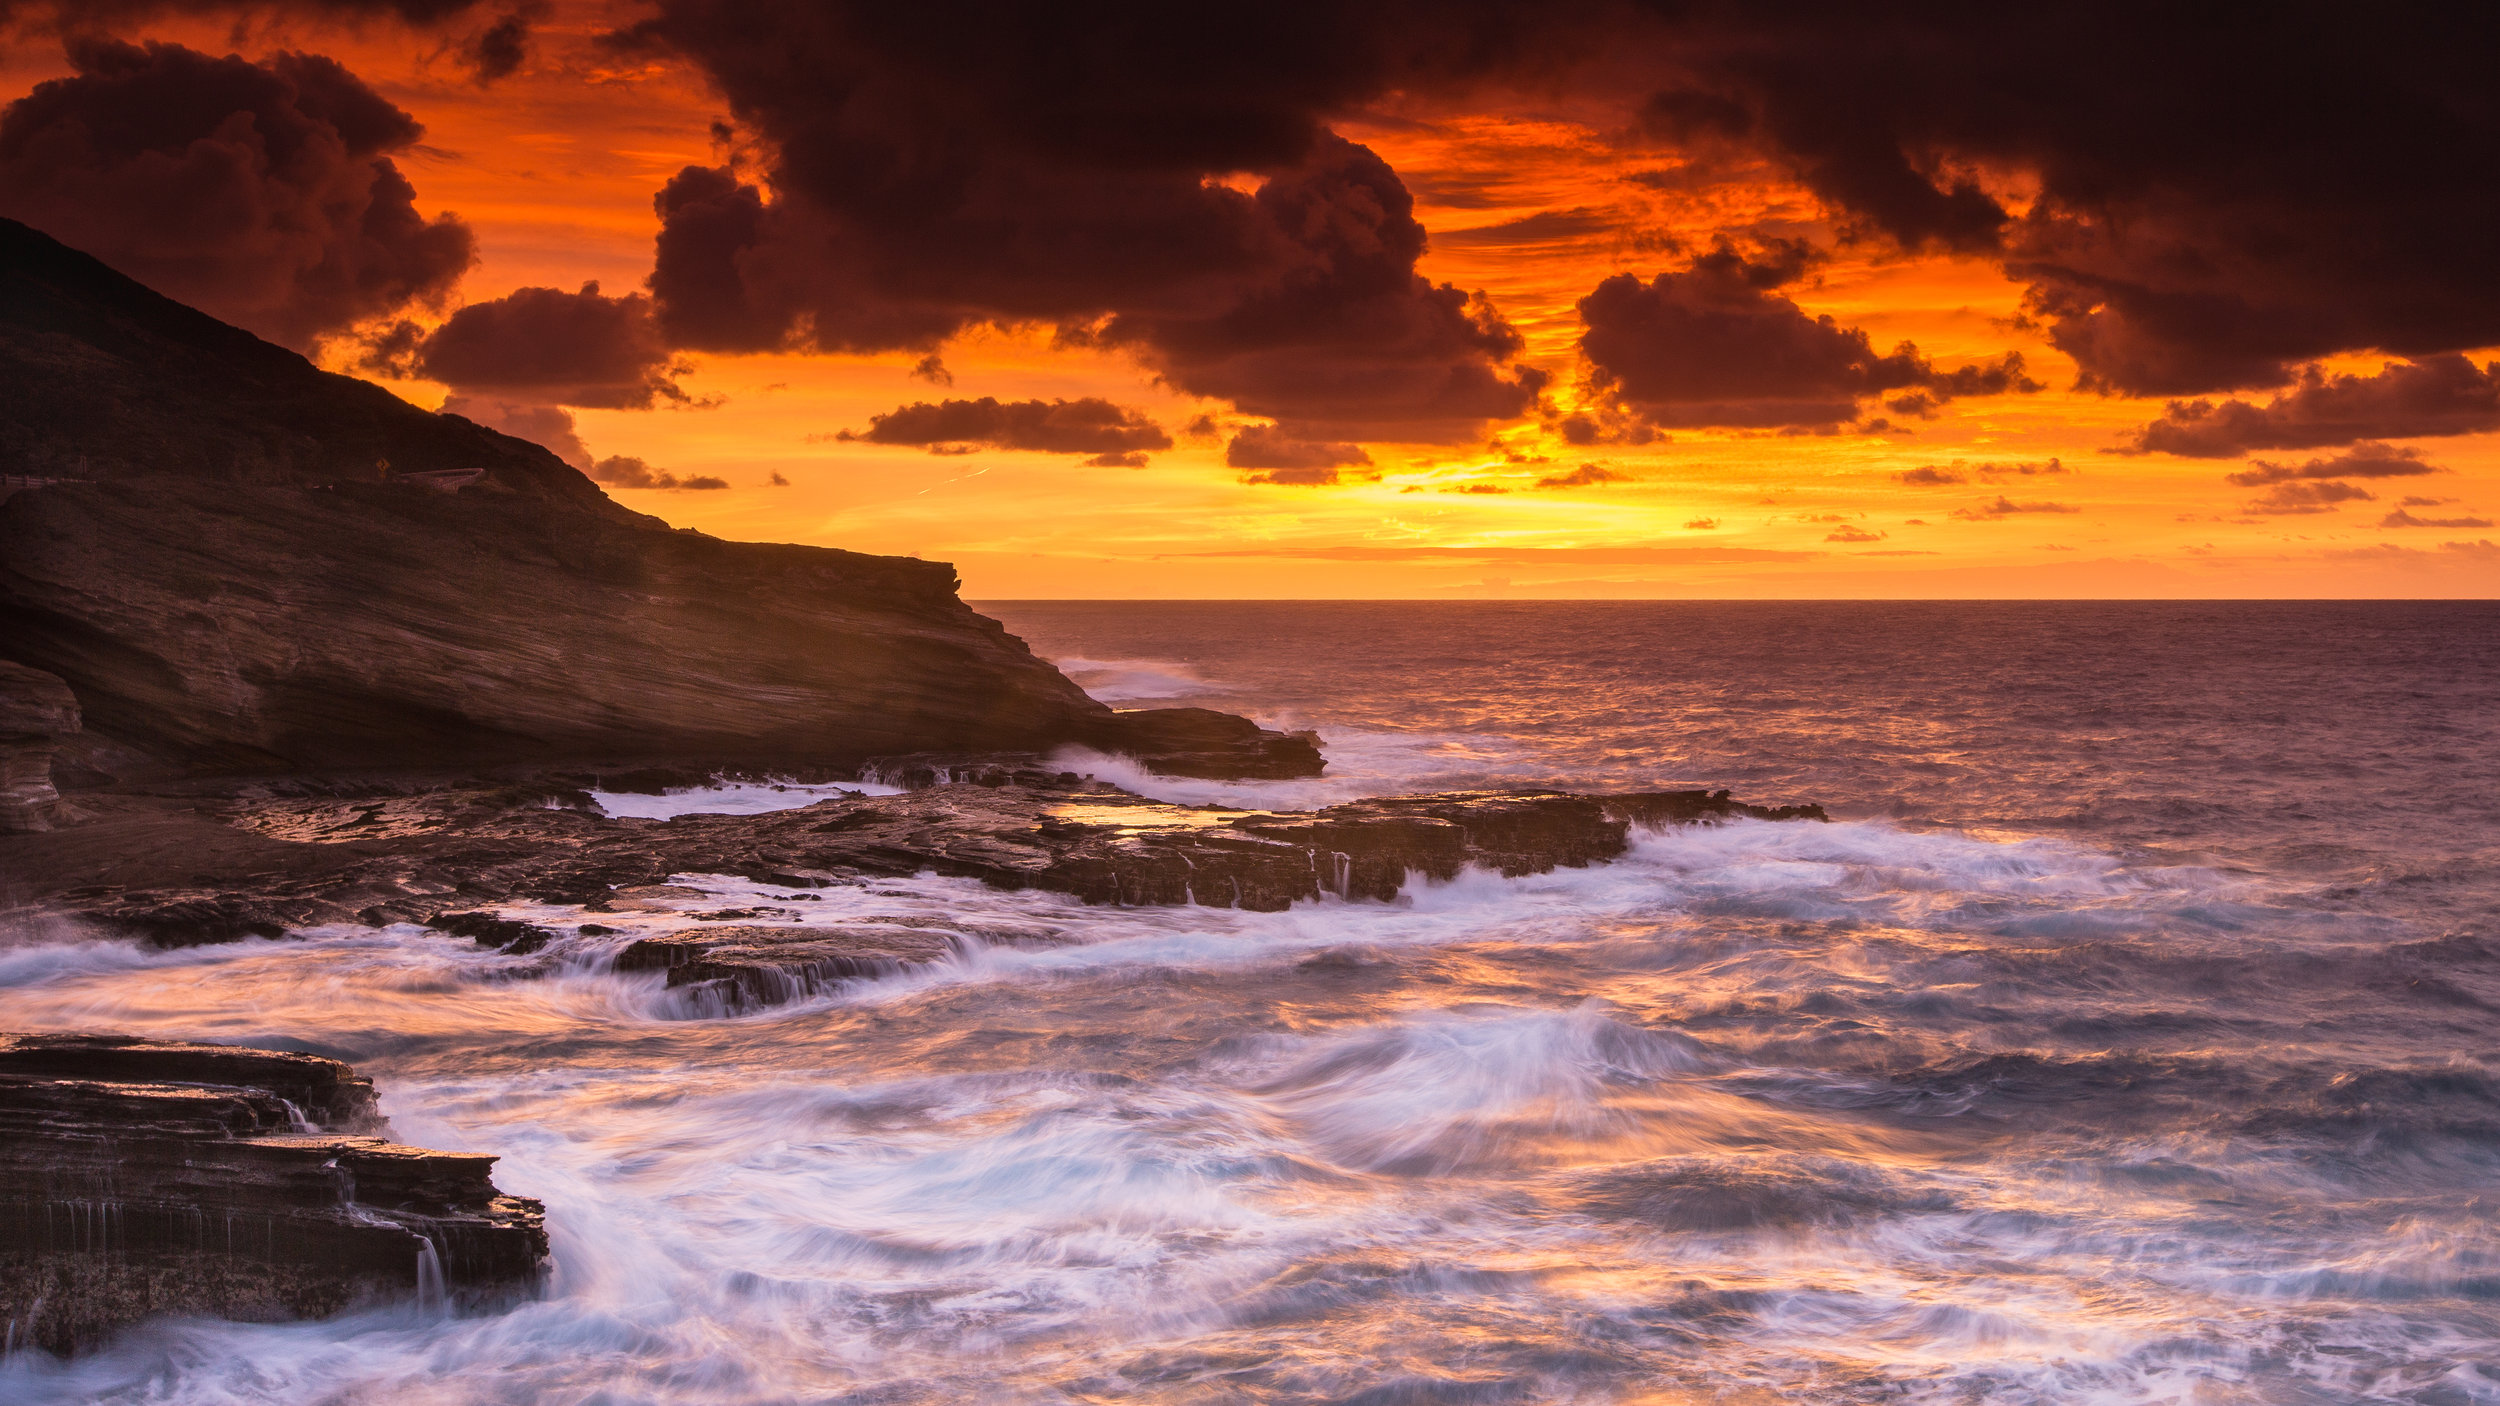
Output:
x=280 y=651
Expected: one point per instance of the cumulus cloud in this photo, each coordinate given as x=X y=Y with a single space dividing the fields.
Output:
x=547 y=425
x=2366 y=460
x=626 y=471
x=2005 y=507
x=2402 y=518
x=1117 y=436
x=1939 y=476
x=1343 y=338
x=2306 y=496
x=499 y=50
x=2434 y=395
x=262 y=193
x=1270 y=447
x=551 y=347
x=1306 y=477
x=1715 y=345
x=1853 y=534
x=1585 y=476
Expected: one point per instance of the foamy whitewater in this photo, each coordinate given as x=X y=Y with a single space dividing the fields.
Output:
x=2129 y=1037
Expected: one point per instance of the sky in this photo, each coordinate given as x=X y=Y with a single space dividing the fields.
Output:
x=1467 y=300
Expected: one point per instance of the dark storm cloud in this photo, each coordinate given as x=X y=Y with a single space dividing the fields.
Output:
x=1265 y=447
x=548 y=346
x=261 y=192
x=1714 y=345
x=2208 y=203
x=2432 y=395
x=1342 y=337
x=499 y=50
x=1540 y=230
x=116 y=15
x=935 y=169
x=2361 y=461
x=2217 y=199
x=1087 y=425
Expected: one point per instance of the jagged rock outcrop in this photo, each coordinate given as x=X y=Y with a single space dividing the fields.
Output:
x=740 y=966
x=265 y=864
x=36 y=712
x=1203 y=742
x=144 y=1177
x=253 y=566
x=1156 y=854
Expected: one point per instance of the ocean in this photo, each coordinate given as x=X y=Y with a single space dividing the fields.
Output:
x=2132 y=1034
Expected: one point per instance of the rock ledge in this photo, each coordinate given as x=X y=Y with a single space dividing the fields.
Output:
x=143 y=1177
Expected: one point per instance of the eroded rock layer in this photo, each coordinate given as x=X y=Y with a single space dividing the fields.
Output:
x=144 y=1177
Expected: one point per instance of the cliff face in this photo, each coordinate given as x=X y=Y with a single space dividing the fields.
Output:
x=230 y=580
x=254 y=627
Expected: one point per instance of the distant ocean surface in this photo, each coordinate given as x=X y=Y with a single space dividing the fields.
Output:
x=2132 y=1035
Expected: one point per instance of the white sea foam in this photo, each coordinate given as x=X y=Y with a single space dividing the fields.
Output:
x=734 y=798
x=1342 y=1148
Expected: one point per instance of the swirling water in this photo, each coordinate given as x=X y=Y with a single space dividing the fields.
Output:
x=2133 y=1035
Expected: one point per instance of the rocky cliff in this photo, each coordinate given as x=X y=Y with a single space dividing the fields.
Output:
x=240 y=563
x=146 y=1177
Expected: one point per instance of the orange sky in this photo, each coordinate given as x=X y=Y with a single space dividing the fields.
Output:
x=555 y=169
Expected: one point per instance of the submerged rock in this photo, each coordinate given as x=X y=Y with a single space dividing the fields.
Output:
x=735 y=968
x=1204 y=743
x=142 y=1177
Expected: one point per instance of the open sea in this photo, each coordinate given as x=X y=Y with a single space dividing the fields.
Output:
x=2132 y=1035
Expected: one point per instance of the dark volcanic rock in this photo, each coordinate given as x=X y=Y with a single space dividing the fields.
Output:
x=736 y=967
x=1203 y=742
x=1119 y=849
x=487 y=930
x=445 y=857
x=139 y=1178
x=36 y=712
x=237 y=573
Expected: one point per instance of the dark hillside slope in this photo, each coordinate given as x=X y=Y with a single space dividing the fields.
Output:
x=230 y=582
x=102 y=378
